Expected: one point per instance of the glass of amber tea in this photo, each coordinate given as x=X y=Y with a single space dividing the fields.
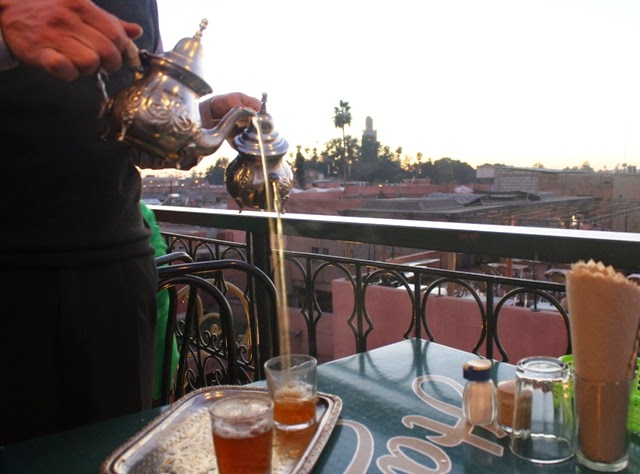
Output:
x=242 y=428
x=291 y=380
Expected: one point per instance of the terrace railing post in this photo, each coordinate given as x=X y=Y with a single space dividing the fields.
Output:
x=309 y=309
x=361 y=340
x=491 y=322
x=417 y=306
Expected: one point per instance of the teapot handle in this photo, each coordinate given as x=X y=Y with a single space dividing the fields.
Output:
x=131 y=56
x=104 y=96
x=131 y=59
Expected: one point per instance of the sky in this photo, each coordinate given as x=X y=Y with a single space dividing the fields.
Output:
x=516 y=82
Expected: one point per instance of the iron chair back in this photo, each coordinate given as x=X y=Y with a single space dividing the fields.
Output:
x=190 y=283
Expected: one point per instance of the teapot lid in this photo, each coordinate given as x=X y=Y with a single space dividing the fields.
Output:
x=248 y=142
x=188 y=52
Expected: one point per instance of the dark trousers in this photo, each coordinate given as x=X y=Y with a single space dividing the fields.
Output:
x=77 y=345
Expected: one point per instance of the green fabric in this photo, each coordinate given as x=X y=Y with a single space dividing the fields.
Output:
x=162 y=301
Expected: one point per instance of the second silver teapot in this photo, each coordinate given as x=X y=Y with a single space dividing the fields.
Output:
x=159 y=112
x=245 y=176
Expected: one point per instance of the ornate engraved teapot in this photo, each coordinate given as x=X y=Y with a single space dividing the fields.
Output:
x=245 y=176
x=159 y=112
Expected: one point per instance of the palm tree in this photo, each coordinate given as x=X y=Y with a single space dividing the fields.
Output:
x=342 y=118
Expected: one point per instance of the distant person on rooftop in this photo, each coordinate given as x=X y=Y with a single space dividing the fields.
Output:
x=78 y=279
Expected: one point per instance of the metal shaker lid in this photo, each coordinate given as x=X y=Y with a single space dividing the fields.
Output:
x=477 y=370
x=248 y=142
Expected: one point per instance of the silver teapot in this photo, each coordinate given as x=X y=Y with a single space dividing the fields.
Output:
x=159 y=112
x=245 y=175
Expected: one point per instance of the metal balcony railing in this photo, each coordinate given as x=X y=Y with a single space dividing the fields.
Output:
x=419 y=286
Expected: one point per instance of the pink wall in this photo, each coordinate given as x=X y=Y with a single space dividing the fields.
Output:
x=453 y=321
x=298 y=335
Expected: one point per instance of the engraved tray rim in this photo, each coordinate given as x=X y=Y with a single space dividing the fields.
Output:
x=326 y=423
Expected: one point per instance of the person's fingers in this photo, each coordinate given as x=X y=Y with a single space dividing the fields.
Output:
x=247 y=101
x=111 y=39
x=83 y=48
x=65 y=37
x=93 y=51
x=133 y=30
x=221 y=104
x=106 y=23
x=57 y=64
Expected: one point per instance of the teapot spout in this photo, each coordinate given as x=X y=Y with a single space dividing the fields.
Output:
x=212 y=138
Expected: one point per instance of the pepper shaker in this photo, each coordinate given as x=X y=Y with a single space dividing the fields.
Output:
x=479 y=396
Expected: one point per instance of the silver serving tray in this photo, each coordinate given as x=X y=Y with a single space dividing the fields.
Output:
x=180 y=441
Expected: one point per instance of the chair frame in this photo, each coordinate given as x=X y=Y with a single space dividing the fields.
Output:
x=177 y=271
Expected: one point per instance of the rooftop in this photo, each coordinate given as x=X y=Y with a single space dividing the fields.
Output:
x=531 y=209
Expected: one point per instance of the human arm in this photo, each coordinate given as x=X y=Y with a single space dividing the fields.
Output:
x=66 y=38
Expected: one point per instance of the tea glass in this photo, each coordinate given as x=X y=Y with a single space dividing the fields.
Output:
x=292 y=384
x=242 y=429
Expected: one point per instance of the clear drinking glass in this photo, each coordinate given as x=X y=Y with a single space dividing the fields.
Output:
x=543 y=422
x=291 y=380
x=242 y=429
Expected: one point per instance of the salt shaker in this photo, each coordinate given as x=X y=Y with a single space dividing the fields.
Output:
x=479 y=396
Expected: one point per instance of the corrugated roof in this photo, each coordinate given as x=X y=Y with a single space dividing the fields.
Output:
x=539 y=209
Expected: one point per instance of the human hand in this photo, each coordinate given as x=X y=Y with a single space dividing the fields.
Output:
x=66 y=38
x=221 y=104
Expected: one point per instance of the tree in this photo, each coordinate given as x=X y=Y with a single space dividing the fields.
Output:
x=300 y=168
x=342 y=118
x=316 y=163
x=215 y=173
x=587 y=167
x=333 y=156
x=448 y=170
x=426 y=169
x=345 y=157
x=386 y=168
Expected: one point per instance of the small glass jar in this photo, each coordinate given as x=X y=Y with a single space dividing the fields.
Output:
x=479 y=396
